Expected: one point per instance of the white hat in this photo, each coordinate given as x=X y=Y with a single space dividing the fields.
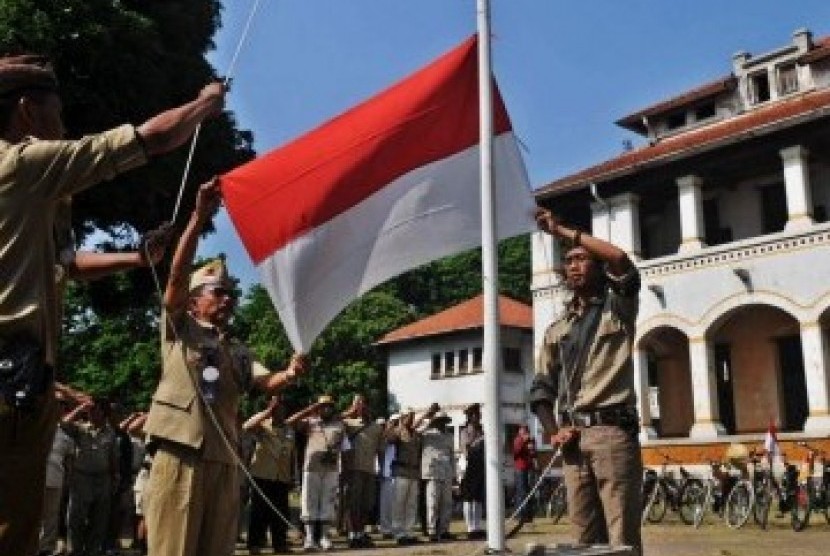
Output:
x=395 y=417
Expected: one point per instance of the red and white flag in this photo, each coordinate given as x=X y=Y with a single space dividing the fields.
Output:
x=771 y=441
x=387 y=186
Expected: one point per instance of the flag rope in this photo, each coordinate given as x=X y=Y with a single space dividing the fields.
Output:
x=231 y=66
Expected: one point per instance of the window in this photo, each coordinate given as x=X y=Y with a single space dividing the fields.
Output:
x=436 y=365
x=512 y=360
x=463 y=361
x=787 y=79
x=476 y=359
x=705 y=111
x=759 y=88
x=449 y=363
x=674 y=121
x=773 y=208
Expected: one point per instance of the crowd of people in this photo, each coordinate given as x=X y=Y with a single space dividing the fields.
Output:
x=398 y=477
x=190 y=495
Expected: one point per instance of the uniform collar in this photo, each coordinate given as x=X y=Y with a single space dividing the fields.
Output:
x=572 y=305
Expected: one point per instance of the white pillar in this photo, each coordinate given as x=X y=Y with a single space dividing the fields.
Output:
x=601 y=220
x=814 y=348
x=691 y=213
x=625 y=223
x=546 y=283
x=797 y=185
x=640 y=360
x=704 y=391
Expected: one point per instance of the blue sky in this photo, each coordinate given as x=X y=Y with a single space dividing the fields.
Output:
x=566 y=69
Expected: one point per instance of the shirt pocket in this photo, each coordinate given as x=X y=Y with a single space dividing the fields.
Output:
x=177 y=398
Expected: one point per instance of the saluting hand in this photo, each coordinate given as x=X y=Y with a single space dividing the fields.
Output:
x=545 y=220
x=214 y=95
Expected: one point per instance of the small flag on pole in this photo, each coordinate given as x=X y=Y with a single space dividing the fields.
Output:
x=771 y=441
x=387 y=186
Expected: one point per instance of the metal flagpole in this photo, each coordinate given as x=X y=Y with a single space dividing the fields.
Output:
x=491 y=412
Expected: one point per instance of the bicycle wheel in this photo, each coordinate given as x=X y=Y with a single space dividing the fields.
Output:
x=763 y=502
x=558 y=503
x=802 y=507
x=739 y=505
x=692 y=496
x=657 y=505
x=702 y=506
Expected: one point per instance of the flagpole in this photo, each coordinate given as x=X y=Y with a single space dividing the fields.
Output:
x=491 y=412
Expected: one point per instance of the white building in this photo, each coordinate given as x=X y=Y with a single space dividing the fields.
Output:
x=725 y=210
x=439 y=359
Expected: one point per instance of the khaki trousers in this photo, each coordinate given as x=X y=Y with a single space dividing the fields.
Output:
x=25 y=442
x=603 y=475
x=405 y=513
x=191 y=505
x=439 y=505
x=318 y=496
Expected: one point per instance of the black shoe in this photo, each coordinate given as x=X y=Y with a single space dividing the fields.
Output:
x=435 y=537
x=447 y=536
x=477 y=535
x=355 y=543
x=366 y=541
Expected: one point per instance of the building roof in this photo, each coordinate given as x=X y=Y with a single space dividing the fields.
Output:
x=634 y=121
x=464 y=316
x=762 y=120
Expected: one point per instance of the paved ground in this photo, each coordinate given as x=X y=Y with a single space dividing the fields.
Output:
x=669 y=539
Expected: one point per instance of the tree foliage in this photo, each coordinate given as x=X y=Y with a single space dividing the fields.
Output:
x=124 y=61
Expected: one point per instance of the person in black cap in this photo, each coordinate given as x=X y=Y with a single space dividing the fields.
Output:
x=39 y=171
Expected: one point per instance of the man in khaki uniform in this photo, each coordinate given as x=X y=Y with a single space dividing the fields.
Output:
x=325 y=434
x=37 y=171
x=272 y=467
x=438 y=469
x=360 y=466
x=406 y=476
x=192 y=494
x=94 y=476
x=584 y=393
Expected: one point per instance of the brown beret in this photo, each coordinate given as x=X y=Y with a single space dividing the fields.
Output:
x=27 y=71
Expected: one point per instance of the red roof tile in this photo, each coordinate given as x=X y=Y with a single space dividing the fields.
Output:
x=766 y=119
x=464 y=316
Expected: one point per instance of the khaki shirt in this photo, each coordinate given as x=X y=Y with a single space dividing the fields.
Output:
x=407 y=461
x=606 y=376
x=437 y=460
x=96 y=450
x=34 y=177
x=273 y=458
x=177 y=411
x=367 y=445
x=324 y=437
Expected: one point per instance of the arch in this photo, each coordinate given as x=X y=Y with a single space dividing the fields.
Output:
x=655 y=323
x=724 y=308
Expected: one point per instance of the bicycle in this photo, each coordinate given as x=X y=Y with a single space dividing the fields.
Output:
x=813 y=493
x=751 y=495
x=662 y=491
x=716 y=489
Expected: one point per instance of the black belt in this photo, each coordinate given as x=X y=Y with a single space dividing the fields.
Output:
x=620 y=416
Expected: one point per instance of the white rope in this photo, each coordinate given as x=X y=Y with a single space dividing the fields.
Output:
x=195 y=139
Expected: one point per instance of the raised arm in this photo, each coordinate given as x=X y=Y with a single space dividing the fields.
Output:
x=257 y=418
x=207 y=202
x=617 y=260
x=91 y=265
x=302 y=414
x=170 y=129
x=276 y=381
